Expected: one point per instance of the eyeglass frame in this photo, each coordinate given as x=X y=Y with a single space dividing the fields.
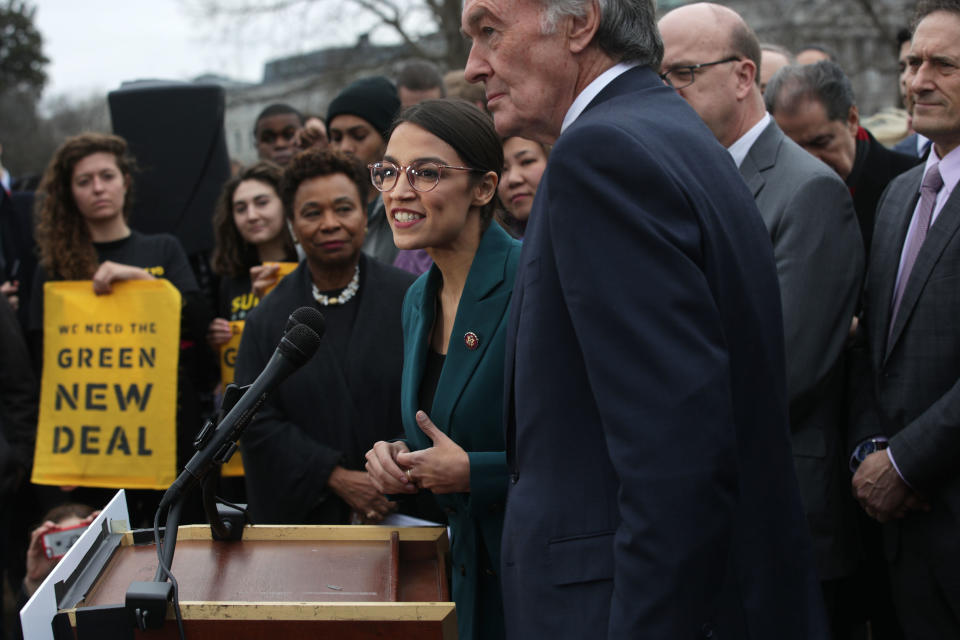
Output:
x=410 y=167
x=693 y=68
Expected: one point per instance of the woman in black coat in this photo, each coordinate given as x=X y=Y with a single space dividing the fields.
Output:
x=304 y=452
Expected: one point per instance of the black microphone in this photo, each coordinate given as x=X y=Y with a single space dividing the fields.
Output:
x=308 y=316
x=295 y=348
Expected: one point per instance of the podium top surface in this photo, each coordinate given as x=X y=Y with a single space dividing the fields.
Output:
x=289 y=564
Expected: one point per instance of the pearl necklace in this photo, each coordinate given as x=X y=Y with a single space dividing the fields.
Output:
x=345 y=296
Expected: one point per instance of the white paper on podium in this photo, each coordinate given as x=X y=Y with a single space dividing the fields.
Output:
x=37 y=615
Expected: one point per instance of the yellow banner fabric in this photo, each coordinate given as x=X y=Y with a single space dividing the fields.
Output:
x=228 y=361
x=108 y=399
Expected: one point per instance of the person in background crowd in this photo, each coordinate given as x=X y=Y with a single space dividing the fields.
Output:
x=457 y=87
x=39 y=565
x=18 y=425
x=819 y=255
x=773 y=57
x=906 y=382
x=815 y=106
x=439 y=183
x=250 y=228
x=313 y=135
x=651 y=490
x=914 y=144
x=810 y=53
x=275 y=133
x=303 y=460
x=82 y=234
x=524 y=162
x=358 y=120
x=419 y=80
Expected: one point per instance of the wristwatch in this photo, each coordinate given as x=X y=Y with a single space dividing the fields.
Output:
x=864 y=449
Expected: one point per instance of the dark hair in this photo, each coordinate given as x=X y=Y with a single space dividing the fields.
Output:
x=66 y=249
x=420 y=75
x=926 y=7
x=69 y=510
x=465 y=128
x=232 y=255
x=314 y=163
x=277 y=109
x=628 y=28
x=823 y=81
x=903 y=35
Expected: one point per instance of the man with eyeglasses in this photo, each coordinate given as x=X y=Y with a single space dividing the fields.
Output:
x=711 y=57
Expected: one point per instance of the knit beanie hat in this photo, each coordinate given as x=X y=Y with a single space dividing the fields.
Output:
x=374 y=99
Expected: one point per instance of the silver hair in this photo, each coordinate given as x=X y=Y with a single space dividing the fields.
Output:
x=628 y=28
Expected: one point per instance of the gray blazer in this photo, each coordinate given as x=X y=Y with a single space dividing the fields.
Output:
x=820 y=262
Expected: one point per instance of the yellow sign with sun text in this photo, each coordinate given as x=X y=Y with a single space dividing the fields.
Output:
x=108 y=399
x=228 y=362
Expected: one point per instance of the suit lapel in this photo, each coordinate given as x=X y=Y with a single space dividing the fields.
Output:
x=481 y=307
x=889 y=233
x=938 y=236
x=416 y=342
x=761 y=157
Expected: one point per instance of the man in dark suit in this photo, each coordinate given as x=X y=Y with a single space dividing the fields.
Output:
x=815 y=107
x=819 y=255
x=652 y=492
x=905 y=413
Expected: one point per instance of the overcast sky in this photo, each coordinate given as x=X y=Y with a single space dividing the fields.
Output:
x=94 y=45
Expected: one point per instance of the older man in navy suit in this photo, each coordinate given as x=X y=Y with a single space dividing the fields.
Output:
x=652 y=492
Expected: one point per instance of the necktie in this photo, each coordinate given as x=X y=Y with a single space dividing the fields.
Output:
x=932 y=182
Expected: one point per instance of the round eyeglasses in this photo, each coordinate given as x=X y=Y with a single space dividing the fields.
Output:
x=422 y=176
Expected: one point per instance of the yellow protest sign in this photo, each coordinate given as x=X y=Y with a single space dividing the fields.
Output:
x=228 y=360
x=108 y=397
x=228 y=353
x=285 y=269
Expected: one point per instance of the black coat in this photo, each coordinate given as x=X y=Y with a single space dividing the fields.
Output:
x=870 y=175
x=322 y=416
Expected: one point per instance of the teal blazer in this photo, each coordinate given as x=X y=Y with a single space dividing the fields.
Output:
x=468 y=407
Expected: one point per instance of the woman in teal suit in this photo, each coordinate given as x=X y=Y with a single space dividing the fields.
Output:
x=454 y=325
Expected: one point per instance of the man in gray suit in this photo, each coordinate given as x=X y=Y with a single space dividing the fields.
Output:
x=906 y=412
x=712 y=58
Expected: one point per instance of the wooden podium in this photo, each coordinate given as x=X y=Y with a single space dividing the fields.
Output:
x=278 y=582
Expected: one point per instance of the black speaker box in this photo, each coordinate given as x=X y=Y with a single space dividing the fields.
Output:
x=175 y=133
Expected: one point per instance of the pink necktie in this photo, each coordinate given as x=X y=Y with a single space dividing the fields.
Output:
x=932 y=182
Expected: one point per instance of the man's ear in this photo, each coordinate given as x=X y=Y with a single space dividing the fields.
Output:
x=853 y=120
x=581 y=30
x=485 y=189
x=746 y=71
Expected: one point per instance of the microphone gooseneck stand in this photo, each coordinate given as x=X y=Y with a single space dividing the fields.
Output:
x=216 y=443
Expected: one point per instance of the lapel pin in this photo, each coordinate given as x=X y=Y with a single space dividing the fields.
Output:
x=471 y=340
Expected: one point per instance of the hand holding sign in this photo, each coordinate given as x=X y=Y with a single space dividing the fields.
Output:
x=110 y=272
x=443 y=468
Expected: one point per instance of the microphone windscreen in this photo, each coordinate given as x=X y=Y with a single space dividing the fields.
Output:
x=308 y=316
x=299 y=344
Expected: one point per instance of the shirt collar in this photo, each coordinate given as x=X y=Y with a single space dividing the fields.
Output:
x=741 y=147
x=592 y=90
x=949 y=170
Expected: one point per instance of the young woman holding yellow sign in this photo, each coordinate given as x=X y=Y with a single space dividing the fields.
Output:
x=83 y=234
x=250 y=229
